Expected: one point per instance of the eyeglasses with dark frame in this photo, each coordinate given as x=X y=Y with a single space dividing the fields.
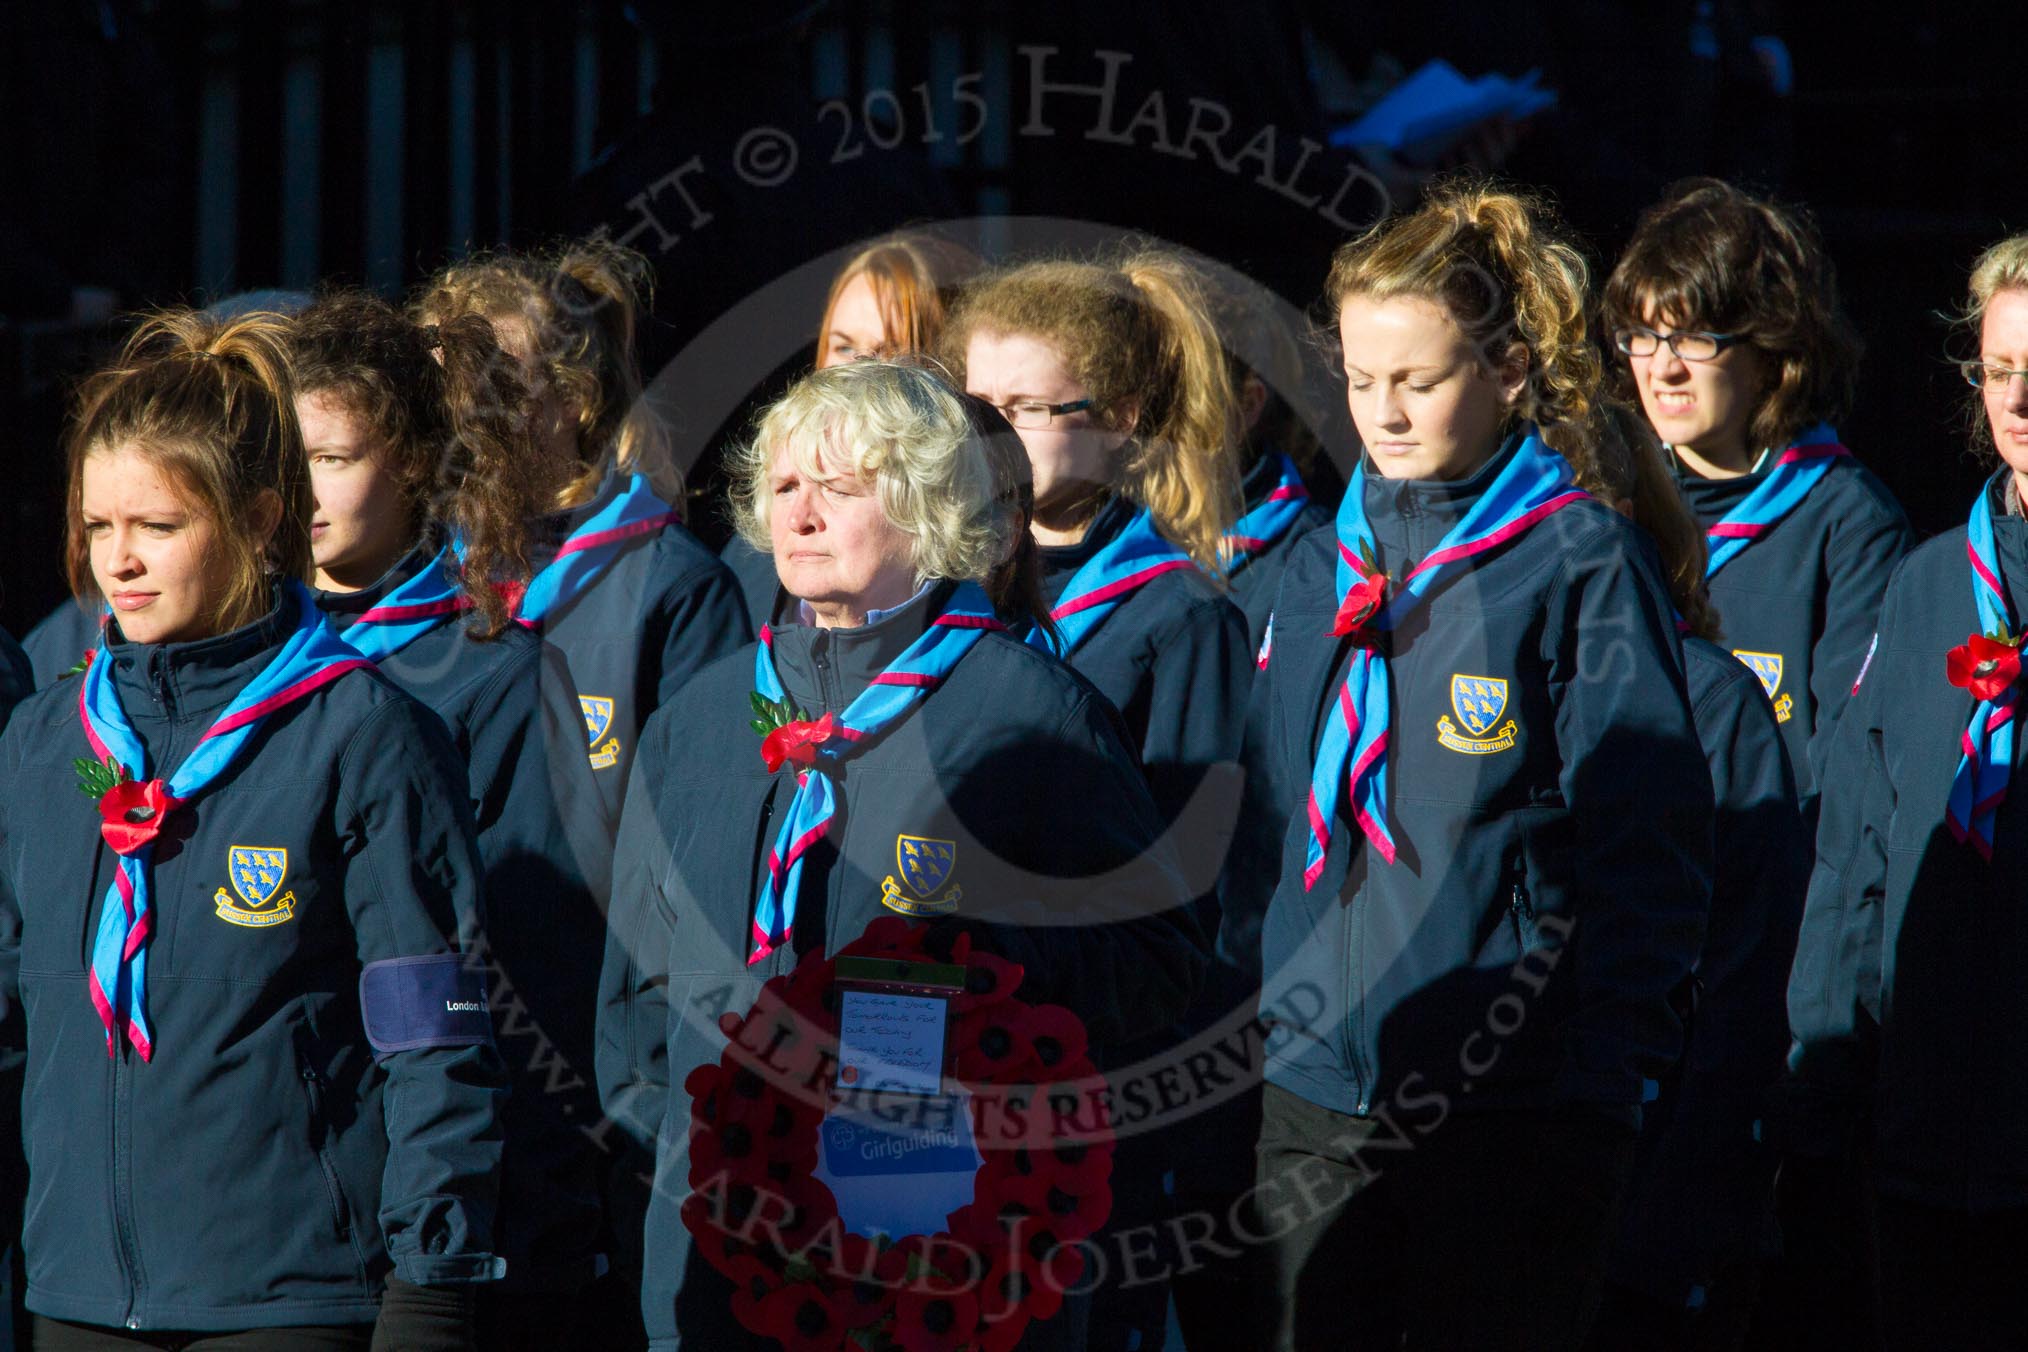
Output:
x=1033 y=415
x=1978 y=374
x=1690 y=345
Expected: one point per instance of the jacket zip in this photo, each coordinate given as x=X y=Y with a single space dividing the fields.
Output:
x=313 y=1087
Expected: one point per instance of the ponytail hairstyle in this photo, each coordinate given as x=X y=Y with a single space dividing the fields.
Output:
x=576 y=310
x=1137 y=333
x=2002 y=267
x=452 y=415
x=208 y=402
x=1498 y=263
x=914 y=279
x=1015 y=584
x=1630 y=467
x=1709 y=256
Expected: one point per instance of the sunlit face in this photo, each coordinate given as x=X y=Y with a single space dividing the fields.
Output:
x=1699 y=406
x=555 y=414
x=1073 y=453
x=1424 y=401
x=833 y=542
x=156 y=558
x=858 y=328
x=2003 y=342
x=360 y=526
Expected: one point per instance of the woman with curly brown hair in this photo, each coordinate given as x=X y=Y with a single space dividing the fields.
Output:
x=416 y=434
x=636 y=604
x=1724 y=309
x=1479 y=861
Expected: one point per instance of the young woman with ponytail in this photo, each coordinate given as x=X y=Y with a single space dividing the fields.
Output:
x=262 y=1100
x=634 y=601
x=415 y=436
x=1480 y=859
x=1905 y=1001
x=1114 y=377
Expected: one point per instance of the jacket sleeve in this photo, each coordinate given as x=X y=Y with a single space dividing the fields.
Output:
x=1834 y=989
x=1638 y=790
x=17 y=678
x=1703 y=1192
x=702 y=617
x=1268 y=797
x=1084 y=888
x=1862 y=558
x=412 y=884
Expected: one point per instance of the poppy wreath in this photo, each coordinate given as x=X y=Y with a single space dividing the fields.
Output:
x=761 y=1217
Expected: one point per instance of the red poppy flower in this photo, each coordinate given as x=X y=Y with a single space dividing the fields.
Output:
x=802 y=1317
x=1361 y=602
x=796 y=743
x=1984 y=666
x=989 y=979
x=990 y=1044
x=752 y=1283
x=932 y=1315
x=1058 y=1037
x=133 y=812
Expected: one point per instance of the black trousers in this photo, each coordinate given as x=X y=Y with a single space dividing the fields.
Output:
x=1489 y=1231
x=55 y=1335
x=1952 y=1279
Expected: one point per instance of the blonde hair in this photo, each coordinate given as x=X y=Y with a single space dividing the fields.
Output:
x=913 y=278
x=1497 y=263
x=2001 y=267
x=1138 y=335
x=582 y=303
x=896 y=426
x=1629 y=467
x=209 y=403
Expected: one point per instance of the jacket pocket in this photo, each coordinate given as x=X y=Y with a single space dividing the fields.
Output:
x=314 y=1085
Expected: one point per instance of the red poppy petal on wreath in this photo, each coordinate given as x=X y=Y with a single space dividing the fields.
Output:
x=1058 y=1036
x=935 y=1317
x=989 y=1044
x=802 y=1317
x=752 y=1283
x=989 y=979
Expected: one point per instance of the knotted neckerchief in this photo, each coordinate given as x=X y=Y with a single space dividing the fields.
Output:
x=421 y=603
x=592 y=547
x=1122 y=566
x=1261 y=526
x=312 y=657
x=892 y=695
x=1987 y=759
x=1796 y=471
x=1533 y=484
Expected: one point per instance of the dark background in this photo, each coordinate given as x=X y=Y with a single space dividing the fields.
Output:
x=182 y=150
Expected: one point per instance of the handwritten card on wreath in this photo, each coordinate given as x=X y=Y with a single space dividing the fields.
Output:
x=889 y=1043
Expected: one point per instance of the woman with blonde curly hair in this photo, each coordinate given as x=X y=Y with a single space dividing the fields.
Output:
x=911 y=716
x=636 y=604
x=1480 y=849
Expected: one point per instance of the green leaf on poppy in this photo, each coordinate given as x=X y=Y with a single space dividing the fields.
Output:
x=759 y=726
x=760 y=705
x=96 y=779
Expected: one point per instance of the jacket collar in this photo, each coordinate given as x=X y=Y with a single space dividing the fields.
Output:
x=346 y=606
x=1061 y=562
x=1409 y=517
x=182 y=681
x=824 y=670
x=1711 y=499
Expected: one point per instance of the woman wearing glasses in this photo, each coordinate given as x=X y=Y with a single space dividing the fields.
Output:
x=1725 y=311
x=1115 y=379
x=1908 y=972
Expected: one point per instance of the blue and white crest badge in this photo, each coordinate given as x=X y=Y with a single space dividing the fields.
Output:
x=1478 y=702
x=1768 y=667
x=598 y=720
x=924 y=864
x=257 y=873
